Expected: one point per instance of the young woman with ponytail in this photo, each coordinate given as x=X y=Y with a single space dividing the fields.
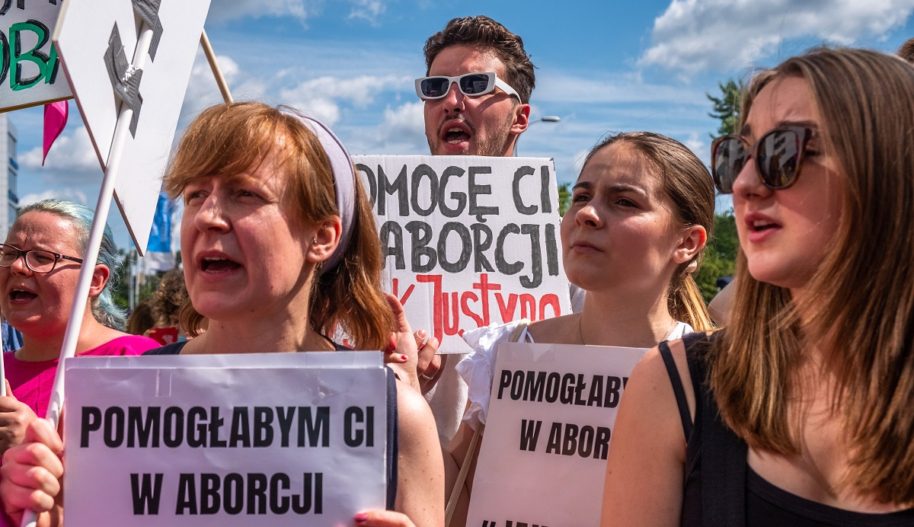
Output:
x=641 y=214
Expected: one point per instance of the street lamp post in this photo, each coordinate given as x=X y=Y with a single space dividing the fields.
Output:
x=546 y=119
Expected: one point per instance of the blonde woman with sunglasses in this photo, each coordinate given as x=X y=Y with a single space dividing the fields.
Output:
x=799 y=412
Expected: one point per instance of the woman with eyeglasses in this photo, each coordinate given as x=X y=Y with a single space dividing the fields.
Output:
x=799 y=412
x=641 y=212
x=40 y=263
x=280 y=250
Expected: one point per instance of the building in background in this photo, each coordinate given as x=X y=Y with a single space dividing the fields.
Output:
x=9 y=178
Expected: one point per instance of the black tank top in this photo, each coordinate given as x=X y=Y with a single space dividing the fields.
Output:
x=720 y=489
x=392 y=429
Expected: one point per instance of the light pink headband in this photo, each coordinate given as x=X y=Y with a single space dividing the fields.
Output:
x=343 y=179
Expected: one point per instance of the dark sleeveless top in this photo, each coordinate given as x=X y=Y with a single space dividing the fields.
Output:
x=719 y=487
x=392 y=430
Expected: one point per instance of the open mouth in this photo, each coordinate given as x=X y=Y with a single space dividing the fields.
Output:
x=456 y=135
x=761 y=225
x=218 y=265
x=21 y=295
x=456 y=131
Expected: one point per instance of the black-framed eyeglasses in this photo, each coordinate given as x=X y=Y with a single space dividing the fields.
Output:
x=470 y=84
x=37 y=260
x=777 y=154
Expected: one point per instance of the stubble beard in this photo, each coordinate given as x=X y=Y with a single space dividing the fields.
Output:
x=497 y=144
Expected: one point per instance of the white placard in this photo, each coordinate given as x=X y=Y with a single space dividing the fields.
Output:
x=468 y=241
x=543 y=454
x=30 y=71
x=279 y=439
x=82 y=37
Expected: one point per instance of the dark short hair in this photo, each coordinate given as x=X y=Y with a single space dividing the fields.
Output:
x=481 y=31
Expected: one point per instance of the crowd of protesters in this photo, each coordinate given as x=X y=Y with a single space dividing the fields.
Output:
x=790 y=407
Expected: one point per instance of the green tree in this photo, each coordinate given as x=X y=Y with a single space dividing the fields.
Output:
x=726 y=107
x=564 y=198
x=719 y=256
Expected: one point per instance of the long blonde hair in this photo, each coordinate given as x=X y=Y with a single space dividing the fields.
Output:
x=861 y=306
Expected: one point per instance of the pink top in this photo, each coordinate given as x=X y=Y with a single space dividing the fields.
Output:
x=32 y=381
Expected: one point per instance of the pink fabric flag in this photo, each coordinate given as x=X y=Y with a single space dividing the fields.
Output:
x=55 y=119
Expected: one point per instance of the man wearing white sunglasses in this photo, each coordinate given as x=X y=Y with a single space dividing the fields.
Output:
x=477 y=94
x=477 y=89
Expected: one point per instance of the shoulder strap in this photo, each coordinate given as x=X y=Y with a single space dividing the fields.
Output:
x=678 y=389
x=518 y=332
x=723 y=459
x=393 y=434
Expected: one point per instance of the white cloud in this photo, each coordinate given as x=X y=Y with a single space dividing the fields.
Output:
x=368 y=10
x=698 y=146
x=321 y=97
x=224 y=10
x=402 y=131
x=361 y=90
x=202 y=90
x=407 y=119
x=69 y=194
x=72 y=152
x=698 y=35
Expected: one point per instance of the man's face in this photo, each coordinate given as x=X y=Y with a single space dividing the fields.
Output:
x=487 y=125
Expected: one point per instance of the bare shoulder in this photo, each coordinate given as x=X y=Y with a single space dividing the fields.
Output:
x=652 y=371
x=555 y=330
x=413 y=411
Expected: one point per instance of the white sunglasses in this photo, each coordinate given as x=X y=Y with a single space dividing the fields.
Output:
x=470 y=84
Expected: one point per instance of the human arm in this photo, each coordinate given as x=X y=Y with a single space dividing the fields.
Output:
x=644 y=472
x=31 y=476
x=420 y=470
x=722 y=304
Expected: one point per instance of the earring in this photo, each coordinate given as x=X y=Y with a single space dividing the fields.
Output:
x=692 y=267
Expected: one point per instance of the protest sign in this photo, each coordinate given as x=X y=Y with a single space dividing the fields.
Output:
x=30 y=71
x=98 y=42
x=468 y=241
x=548 y=428
x=277 y=439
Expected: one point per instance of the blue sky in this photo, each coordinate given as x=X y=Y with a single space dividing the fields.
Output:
x=601 y=66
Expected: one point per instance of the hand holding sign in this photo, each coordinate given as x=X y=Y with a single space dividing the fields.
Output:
x=15 y=418
x=31 y=474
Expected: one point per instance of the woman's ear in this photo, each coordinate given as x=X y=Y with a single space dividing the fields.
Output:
x=324 y=240
x=99 y=279
x=692 y=240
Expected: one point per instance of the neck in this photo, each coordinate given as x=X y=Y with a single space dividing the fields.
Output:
x=615 y=319
x=253 y=336
x=48 y=346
